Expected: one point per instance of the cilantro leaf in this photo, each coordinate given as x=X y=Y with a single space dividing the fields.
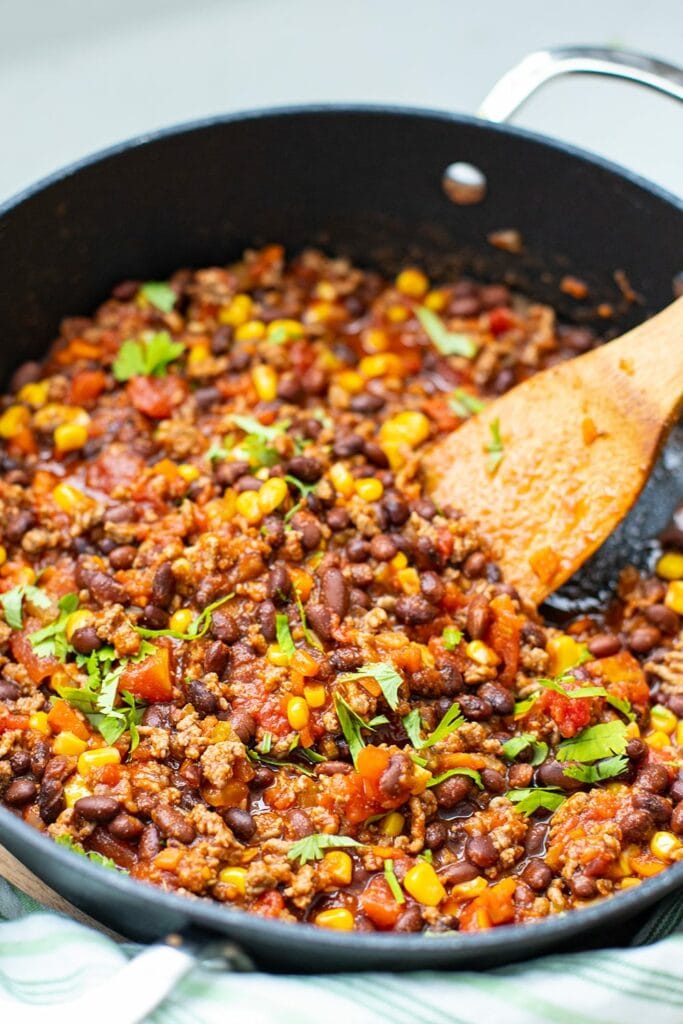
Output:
x=580 y=691
x=198 y=628
x=523 y=707
x=513 y=747
x=273 y=762
x=451 y=637
x=311 y=847
x=595 y=742
x=494 y=448
x=159 y=294
x=392 y=881
x=530 y=800
x=12 y=600
x=97 y=700
x=257 y=445
x=412 y=725
x=351 y=726
x=451 y=721
x=97 y=858
x=469 y=772
x=386 y=675
x=310 y=637
x=449 y=343
x=51 y=642
x=146 y=358
x=609 y=768
x=464 y=404
x=284 y=636
x=622 y=705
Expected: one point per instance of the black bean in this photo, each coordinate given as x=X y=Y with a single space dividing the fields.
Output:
x=636 y=749
x=221 y=339
x=334 y=592
x=153 y=617
x=458 y=872
x=366 y=403
x=604 y=645
x=475 y=707
x=244 y=725
x=9 y=690
x=40 y=755
x=51 y=800
x=125 y=826
x=206 y=397
x=436 y=834
x=20 y=762
x=347 y=445
x=20 y=792
x=643 y=639
x=163 y=585
x=226 y=474
x=357 y=550
x=383 y=547
x=664 y=618
x=150 y=842
x=173 y=824
x=374 y=454
x=97 y=808
x=432 y=587
x=263 y=777
x=396 y=508
x=289 y=388
x=279 y=584
x=451 y=680
x=240 y=358
x=323 y=620
x=309 y=528
x=465 y=305
x=216 y=658
x=362 y=575
x=19 y=524
x=535 y=838
x=584 y=887
x=481 y=851
x=533 y=635
x=552 y=774
x=122 y=557
x=338 y=519
x=414 y=610
x=306 y=468
x=636 y=826
x=314 y=381
x=677 y=820
x=676 y=791
x=537 y=875
x=27 y=373
x=499 y=697
x=265 y=616
x=201 y=697
x=658 y=806
x=346 y=659
x=247 y=482
x=653 y=777
x=105 y=590
x=158 y=716
x=85 y=640
x=241 y=822
x=474 y=565
x=121 y=513
x=675 y=702
x=493 y=781
x=410 y=920
x=452 y=791
x=390 y=781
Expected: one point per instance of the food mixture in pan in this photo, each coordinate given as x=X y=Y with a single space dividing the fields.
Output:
x=245 y=657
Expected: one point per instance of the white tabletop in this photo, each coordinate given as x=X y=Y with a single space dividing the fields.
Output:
x=77 y=75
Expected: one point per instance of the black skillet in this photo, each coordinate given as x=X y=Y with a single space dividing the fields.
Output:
x=365 y=181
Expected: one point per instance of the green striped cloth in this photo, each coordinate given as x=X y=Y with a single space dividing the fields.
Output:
x=46 y=959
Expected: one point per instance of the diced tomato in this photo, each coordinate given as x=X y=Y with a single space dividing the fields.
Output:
x=504 y=634
x=86 y=386
x=624 y=678
x=37 y=668
x=149 y=679
x=501 y=319
x=493 y=907
x=269 y=904
x=115 y=467
x=370 y=765
x=156 y=396
x=571 y=714
x=377 y=902
x=63 y=718
x=9 y=722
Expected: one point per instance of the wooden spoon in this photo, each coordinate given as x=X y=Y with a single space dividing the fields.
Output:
x=578 y=443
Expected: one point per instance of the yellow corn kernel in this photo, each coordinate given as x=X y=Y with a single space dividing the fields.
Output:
x=679 y=734
x=167 y=860
x=658 y=740
x=392 y=824
x=670 y=566
x=264 y=379
x=408 y=580
x=74 y=790
x=315 y=695
x=436 y=301
x=664 y=845
x=397 y=314
x=3 y=555
x=54 y=414
x=380 y=365
x=338 y=867
x=342 y=480
x=39 y=723
x=181 y=619
x=405 y=430
x=468 y=890
x=90 y=760
x=236 y=878
x=248 y=505
x=628 y=883
x=565 y=652
x=326 y=290
x=77 y=620
x=188 y=472
x=276 y=656
x=272 y=493
x=237 y=312
x=674 y=596
x=350 y=381
x=663 y=719
x=13 y=421
x=284 y=330
x=479 y=652
x=424 y=885
x=70 y=499
x=369 y=488
x=69 y=437
x=221 y=732
x=198 y=353
x=338 y=918
x=35 y=394
x=304 y=663
x=322 y=311
x=399 y=561
x=69 y=744
x=412 y=282
x=633 y=731
x=253 y=330
x=375 y=340
x=298 y=714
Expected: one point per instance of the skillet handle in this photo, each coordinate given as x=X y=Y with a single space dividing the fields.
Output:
x=522 y=81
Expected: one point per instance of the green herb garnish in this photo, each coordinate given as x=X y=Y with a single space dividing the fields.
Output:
x=513 y=747
x=284 y=636
x=464 y=404
x=146 y=358
x=273 y=762
x=595 y=742
x=97 y=858
x=257 y=445
x=609 y=768
x=412 y=726
x=522 y=707
x=198 y=628
x=494 y=448
x=451 y=637
x=530 y=800
x=449 y=343
x=11 y=602
x=50 y=641
x=624 y=706
x=351 y=725
x=386 y=675
x=310 y=637
x=159 y=294
x=392 y=881
x=469 y=772
x=266 y=742
x=312 y=847
x=451 y=721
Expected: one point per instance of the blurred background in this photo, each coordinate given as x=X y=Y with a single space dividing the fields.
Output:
x=78 y=75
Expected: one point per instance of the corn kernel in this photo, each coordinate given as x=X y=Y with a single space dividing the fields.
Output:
x=369 y=488
x=674 y=596
x=298 y=714
x=13 y=421
x=69 y=744
x=479 y=652
x=404 y=431
x=350 y=381
x=565 y=652
x=342 y=480
x=409 y=580
x=633 y=731
x=252 y=330
x=69 y=437
x=264 y=379
x=469 y=890
x=188 y=472
x=54 y=414
x=70 y=499
x=412 y=282
x=90 y=760
x=338 y=867
x=315 y=695
x=424 y=885
x=380 y=365
x=248 y=505
x=392 y=824
x=397 y=314
x=77 y=620
x=338 y=918
x=321 y=312
x=199 y=353
x=664 y=845
x=658 y=740
x=3 y=555
x=35 y=394
x=272 y=493
x=39 y=723
x=181 y=619
x=670 y=566
x=663 y=719
x=284 y=330
x=237 y=312
x=628 y=883
x=74 y=790
x=304 y=663
x=375 y=340
x=236 y=878
x=276 y=656
x=167 y=860
x=436 y=301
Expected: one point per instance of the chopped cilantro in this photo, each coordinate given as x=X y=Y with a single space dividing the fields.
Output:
x=451 y=721
x=624 y=706
x=513 y=747
x=494 y=448
x=608 y=768
x=311 y=847
x=257 y=446
x=386 y=675
x=412 y=725
x=464 y=404
x=530 y=800
x=284 y=636
x=312 y=755
x=522 y=707
x=392 y=881
x=159 y=294
x=352 y=725
x=12 y=600
x=451 y=637
x=97 y=858
x=266 y=742
x=198 y=628
x=50 y=641
x=273 y=762
x=146 y=358
x=469 y=772
x=449 y=343
x=309 y=636
x=595 y=742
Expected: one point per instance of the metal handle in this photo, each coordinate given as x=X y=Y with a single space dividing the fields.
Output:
x=515 y=87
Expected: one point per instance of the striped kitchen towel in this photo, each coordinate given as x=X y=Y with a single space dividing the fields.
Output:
x=53 y=969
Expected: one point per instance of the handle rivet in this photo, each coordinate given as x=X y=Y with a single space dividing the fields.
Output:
x=464 y=184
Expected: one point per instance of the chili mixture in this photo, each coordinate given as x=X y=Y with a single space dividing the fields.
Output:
x=245 y=657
